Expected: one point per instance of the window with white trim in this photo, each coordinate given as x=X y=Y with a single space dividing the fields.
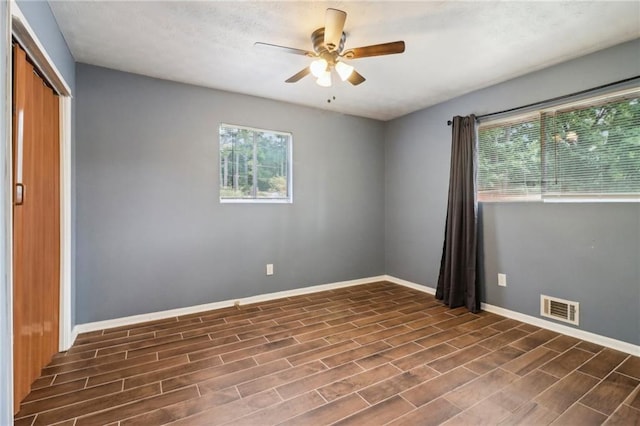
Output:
x=255 y=165
x=585 y=150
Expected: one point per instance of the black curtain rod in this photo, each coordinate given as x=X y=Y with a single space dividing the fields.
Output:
x=557 y=98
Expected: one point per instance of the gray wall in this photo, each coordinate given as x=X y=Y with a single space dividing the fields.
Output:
x=585 y=252
x=42 y=21
x=151 y=233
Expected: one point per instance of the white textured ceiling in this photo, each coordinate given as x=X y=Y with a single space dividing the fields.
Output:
x=452 y=47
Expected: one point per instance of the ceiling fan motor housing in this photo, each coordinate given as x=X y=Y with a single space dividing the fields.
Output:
x=329 y=53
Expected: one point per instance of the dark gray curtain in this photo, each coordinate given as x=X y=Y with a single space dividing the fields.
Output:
x=457 y=283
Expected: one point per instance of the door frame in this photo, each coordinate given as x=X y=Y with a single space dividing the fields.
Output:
x=20 y=29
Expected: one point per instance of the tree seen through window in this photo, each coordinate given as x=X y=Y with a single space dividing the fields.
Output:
x=254 y=164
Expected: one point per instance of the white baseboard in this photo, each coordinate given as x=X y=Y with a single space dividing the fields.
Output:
x=152 y=316
x=618 y=345
x=405 y=283
x=539 y=322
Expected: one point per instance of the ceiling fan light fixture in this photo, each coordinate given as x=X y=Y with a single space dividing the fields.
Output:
x=318 y=67
x=344 y=70
x=325 y=79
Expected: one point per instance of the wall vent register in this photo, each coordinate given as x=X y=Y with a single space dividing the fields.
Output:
x=560 y=309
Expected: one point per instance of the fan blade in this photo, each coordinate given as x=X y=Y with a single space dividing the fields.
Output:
x=284 y=49
x=375 y=50
x=303 y=73
x=333 y=25
x=356 y=78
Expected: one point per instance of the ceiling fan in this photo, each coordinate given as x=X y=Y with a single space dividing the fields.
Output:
x=329 y=53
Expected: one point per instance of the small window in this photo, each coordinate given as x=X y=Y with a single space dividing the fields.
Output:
x=586 y=150
x=255 y=165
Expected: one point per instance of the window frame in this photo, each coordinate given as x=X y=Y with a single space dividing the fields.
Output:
x=289 y=177
x=583 y=101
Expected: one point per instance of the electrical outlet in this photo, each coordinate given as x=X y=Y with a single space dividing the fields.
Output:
x=502 y=280
x=269 y=268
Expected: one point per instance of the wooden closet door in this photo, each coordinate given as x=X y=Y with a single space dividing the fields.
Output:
x=36 y=224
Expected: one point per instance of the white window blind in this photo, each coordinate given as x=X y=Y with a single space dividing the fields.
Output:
x=594 y=149
x=586 y=150
x=509 y=159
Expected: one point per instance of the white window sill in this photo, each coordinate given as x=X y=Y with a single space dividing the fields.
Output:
x=560 y=200
x=591 y=200
x=256 y=201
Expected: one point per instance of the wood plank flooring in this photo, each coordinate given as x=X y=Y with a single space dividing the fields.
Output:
x=370 y=354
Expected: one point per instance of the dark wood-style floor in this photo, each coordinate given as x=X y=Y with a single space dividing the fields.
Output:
x=364 y=355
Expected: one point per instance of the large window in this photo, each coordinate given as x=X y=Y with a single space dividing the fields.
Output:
x=255 y=165
x=586 y=150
